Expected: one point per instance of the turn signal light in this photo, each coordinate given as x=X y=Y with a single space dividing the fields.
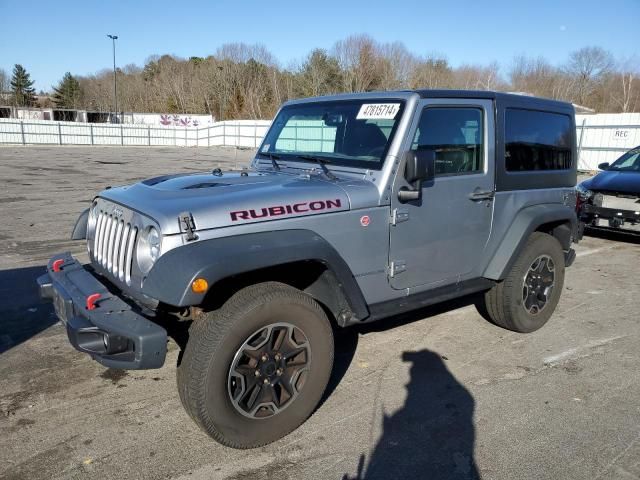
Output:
x=199 y=285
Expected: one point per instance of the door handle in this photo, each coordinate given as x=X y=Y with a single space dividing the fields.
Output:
x=479 y=195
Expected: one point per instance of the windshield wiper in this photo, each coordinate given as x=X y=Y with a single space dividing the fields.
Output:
x=273 y=159
x=322 y=162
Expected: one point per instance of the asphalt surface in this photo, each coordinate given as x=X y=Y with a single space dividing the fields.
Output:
x=438 y=394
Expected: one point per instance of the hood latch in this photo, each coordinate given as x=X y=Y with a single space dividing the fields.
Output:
x=188 y=225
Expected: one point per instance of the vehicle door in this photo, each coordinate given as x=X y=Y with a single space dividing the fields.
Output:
x=441 y=238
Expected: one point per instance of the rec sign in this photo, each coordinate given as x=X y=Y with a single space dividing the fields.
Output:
x=621 y=134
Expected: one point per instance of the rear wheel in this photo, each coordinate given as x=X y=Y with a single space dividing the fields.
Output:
x=525 y=300
x=255 y=369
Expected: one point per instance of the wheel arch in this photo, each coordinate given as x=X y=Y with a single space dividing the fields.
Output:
x=299 y=258
x=313 y=277
x=79 y=231
x=556 y=220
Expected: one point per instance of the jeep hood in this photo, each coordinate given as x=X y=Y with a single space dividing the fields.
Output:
x=233 y=198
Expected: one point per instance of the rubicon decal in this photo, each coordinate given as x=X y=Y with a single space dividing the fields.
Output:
x=294 y=208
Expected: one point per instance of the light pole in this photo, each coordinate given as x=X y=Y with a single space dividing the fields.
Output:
x=115 y=78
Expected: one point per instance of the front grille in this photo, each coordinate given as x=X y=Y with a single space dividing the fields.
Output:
x=113 y=245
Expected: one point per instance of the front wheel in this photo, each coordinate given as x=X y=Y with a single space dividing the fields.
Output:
x=525 y=300
x=255 y=369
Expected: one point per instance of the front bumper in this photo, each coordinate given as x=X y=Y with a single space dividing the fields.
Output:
x=112 y=333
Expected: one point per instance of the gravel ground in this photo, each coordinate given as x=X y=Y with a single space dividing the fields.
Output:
x=437 y=394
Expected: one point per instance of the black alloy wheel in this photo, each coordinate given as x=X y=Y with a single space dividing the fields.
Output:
x=269 y=370
x=256 y=368
x=537 y=285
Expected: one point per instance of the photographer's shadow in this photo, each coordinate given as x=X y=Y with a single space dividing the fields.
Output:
x=432 y=436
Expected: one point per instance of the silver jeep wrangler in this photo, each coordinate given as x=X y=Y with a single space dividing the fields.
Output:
x=356 y=208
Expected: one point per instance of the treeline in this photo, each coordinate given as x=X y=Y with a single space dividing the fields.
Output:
x=246 y=81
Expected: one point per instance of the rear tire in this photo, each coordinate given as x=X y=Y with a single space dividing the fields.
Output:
x=255 y=370
x=525 y=300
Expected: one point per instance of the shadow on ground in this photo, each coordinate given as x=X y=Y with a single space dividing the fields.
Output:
x=432 y=435
x=23 y=314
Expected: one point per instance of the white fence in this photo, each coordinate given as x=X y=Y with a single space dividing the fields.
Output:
x=605 y=136
x=237 y=133
x=601 y=137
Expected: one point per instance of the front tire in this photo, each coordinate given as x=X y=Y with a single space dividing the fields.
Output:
x=525 y=300
x=255 y=370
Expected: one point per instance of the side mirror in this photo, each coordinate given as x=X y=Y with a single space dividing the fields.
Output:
x=420 y=166
x=604 y=166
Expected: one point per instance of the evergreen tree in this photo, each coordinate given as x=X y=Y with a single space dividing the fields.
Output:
x=22 y=87
x=320 y=74
x=68 y=92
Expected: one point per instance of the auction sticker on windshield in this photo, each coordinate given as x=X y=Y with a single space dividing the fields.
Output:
x=377 y=111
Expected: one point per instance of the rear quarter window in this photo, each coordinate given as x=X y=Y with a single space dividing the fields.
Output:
x=537 y=141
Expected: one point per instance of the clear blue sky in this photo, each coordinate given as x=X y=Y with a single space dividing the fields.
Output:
x=50 y=38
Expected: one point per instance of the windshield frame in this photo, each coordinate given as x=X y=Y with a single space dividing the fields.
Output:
x=327 y=156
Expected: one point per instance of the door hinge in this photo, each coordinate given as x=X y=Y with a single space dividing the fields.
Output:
x=399 y=215
x=396 y=267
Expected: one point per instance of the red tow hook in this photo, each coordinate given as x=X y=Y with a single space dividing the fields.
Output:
x=57 y=264
x=91 y=301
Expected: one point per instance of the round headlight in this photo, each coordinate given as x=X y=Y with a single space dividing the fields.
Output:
x=153 y=242
x=149 y=247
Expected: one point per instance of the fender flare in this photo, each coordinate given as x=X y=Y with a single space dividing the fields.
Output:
x=170 y=279
x=80 y=229
x=525 y=223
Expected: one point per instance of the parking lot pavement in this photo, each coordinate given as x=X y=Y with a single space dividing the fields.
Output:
x=439 y=394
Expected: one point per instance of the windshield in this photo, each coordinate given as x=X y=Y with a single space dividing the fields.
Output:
x=354 y=133
x=629 y=162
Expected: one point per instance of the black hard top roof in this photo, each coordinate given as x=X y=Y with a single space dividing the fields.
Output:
x=502 y=100
x=507 y=98
x=452 y=93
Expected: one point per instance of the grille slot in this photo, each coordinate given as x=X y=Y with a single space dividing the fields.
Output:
x=132 y=241
x=113 y=246
x=123 y=248
x=117 y=239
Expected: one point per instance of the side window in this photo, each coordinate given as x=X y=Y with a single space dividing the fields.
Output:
x=456 y=134
x=537 y=140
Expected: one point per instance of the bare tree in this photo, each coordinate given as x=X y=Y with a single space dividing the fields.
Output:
x=532 y=75
x=431 y=72
x=478 y=77
x=624 y=89
x=396 y=65
x=246 y=81
x=4 y=81
x=588 y=67
x=358 y=57
x=4 y=87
